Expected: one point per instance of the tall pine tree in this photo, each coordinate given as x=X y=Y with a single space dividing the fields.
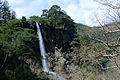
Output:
x=5 y=12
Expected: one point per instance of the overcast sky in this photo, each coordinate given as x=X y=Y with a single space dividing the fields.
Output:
x=81 y=11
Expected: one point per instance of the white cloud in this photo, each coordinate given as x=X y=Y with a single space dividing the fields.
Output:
x=81 y=11
x=54 y=2
x=66 y=1
x=87 y=4
x=33 y=8
x=15 y=2
x=73 y=11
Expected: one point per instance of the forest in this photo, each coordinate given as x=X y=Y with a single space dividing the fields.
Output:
x=74 y=51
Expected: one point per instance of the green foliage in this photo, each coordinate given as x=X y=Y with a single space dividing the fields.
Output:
x=54 y=11
x=98 y=47
x=5 y=12
x=104 y=62
x=57 y=23
x=81 y=41
x=23 y=19
x=59 y=19
x=56 y=18
x=22 y=74
x=15 y=37
x=42 y=76
x=16 y=45
x=14 y=23
x=2 y=23
x=34 y=18
x=92 y=32
x=45 y=13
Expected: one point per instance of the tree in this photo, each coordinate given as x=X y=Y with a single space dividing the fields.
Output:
x=34 y=18
x=24 y=22
x=16 y=46
x=110 y=24
x=45 y=13
x=5 y=12
x=54 y=11
x=59 y=19
x=13 y=14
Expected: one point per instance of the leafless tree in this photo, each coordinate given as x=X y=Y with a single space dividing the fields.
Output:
x=110 y=24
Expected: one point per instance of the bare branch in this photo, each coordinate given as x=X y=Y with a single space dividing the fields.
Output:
x=5 y=60
x=108 y=4
x=110 y=55
x=110 y=67
x=112 y=31
x=112 y=15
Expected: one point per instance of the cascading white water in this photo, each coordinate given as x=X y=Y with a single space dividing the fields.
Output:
x=42 y=50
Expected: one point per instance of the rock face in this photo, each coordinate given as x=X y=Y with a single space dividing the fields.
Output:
x=58 y=64
x=34 y=66
x=56 y=43
x=59 y=61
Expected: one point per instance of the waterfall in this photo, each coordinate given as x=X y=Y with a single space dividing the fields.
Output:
x=42 y=49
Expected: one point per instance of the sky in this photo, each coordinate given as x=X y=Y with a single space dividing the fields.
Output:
x=81 y=11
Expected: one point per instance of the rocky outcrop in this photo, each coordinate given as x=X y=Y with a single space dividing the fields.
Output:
x=60 y=66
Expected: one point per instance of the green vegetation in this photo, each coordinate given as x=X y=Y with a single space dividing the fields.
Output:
x=5 y=12
x=77 y=42
x=16 y=46
x=56 y=22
